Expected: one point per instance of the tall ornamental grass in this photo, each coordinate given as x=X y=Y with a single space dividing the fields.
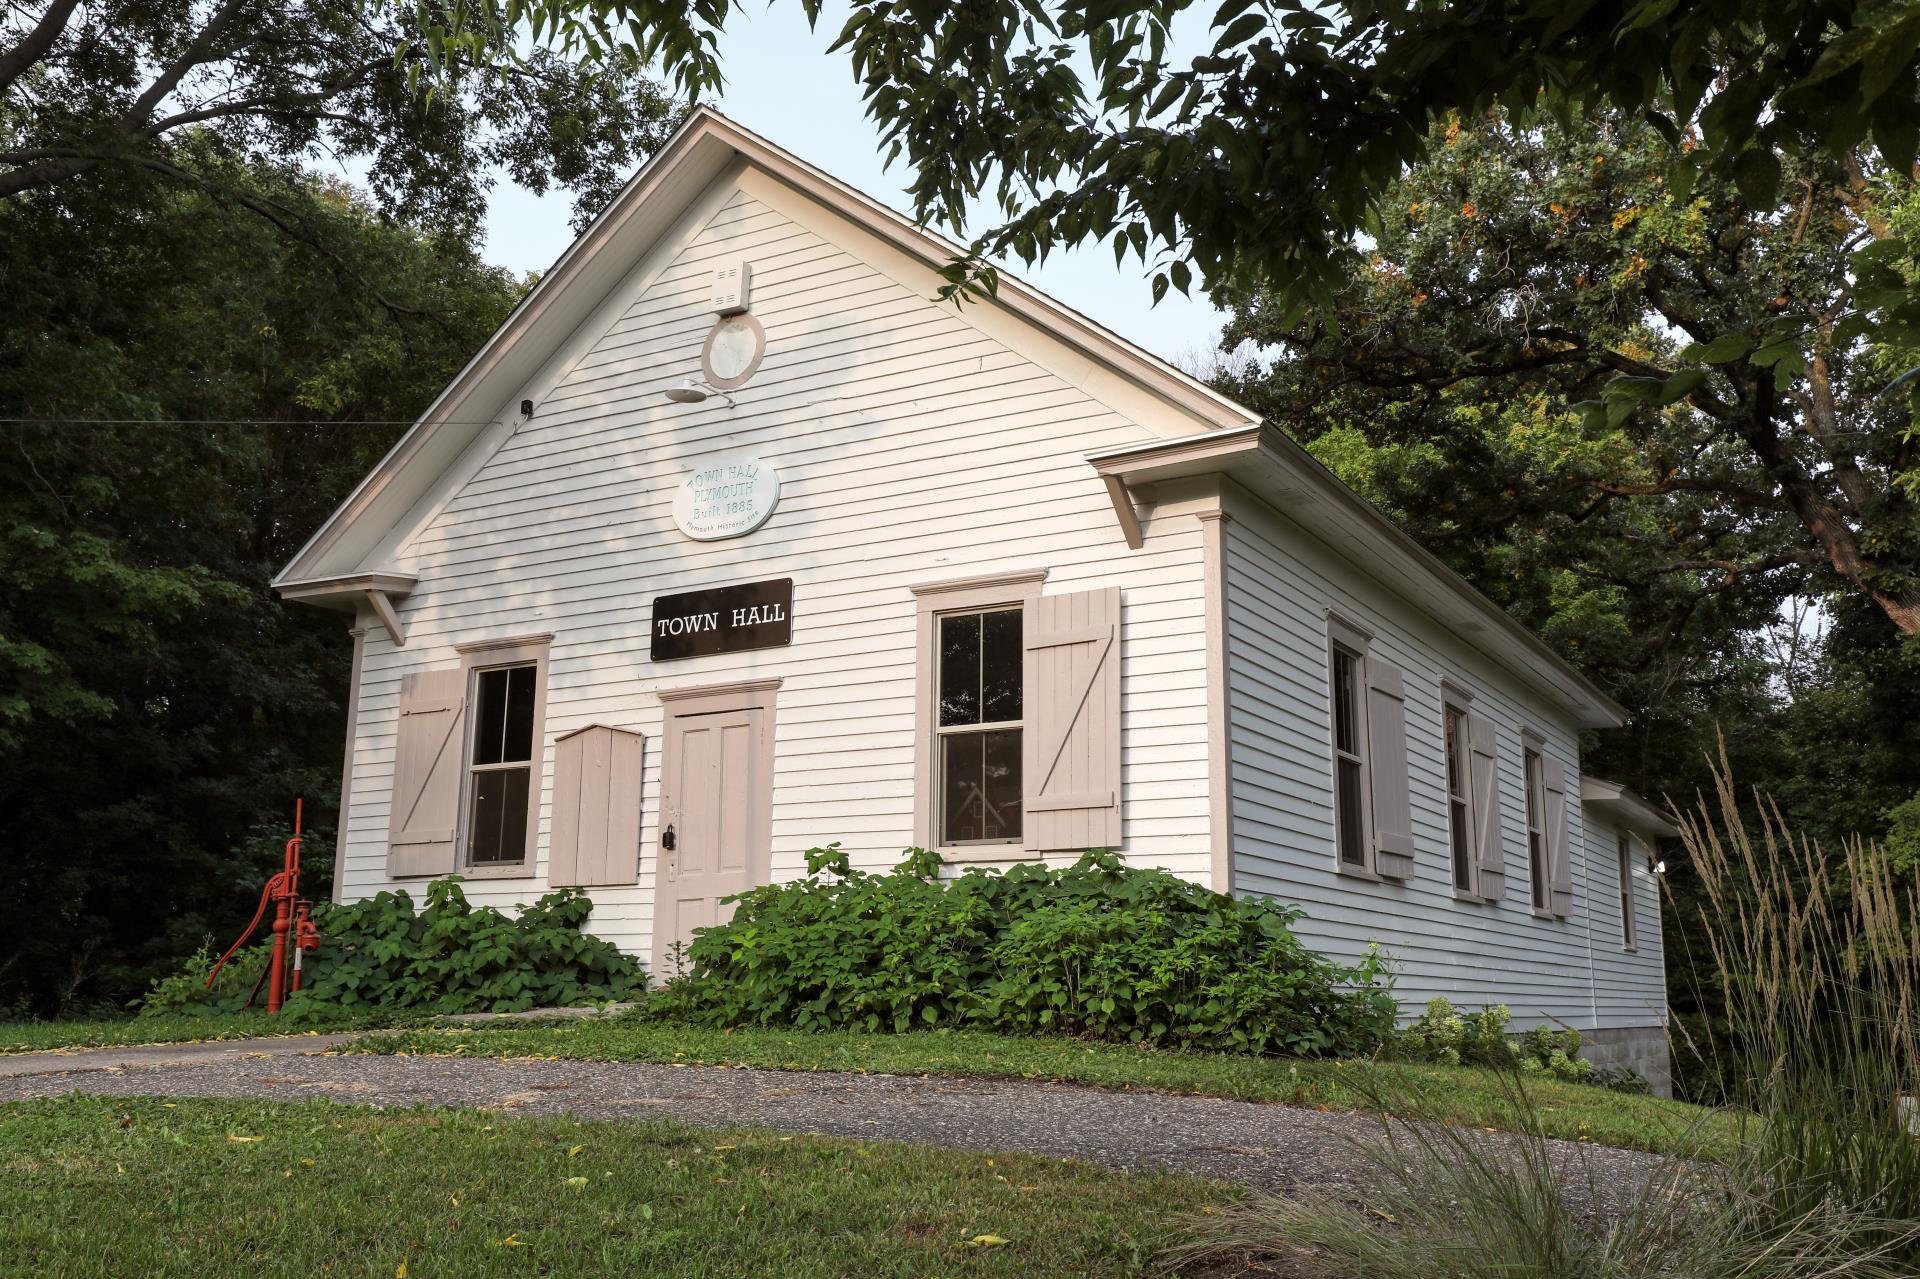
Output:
x=1818 y=958
x=1819 y=962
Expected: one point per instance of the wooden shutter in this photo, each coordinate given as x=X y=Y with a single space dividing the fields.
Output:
x=1489 y=850
x=1387 y=770
x=426 y=773
x=1559 y=856
x=596 y=808
x=1071 y=707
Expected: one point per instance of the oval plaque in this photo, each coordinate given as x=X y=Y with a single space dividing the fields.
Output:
x=729 y=496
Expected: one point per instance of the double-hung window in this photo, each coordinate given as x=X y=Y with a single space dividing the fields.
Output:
x=500 y=768
x=1459 y=814
x=1349 y=757
x=1537 y=828
x=979 y=726
x=1624 y=851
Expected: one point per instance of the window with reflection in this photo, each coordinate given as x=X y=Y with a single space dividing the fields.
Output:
x=501 y=765
x=980 y=718
x=1537 y=827
x=1459 y=825
x=1349 y=761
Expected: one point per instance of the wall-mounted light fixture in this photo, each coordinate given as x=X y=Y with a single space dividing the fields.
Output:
x=693 y=391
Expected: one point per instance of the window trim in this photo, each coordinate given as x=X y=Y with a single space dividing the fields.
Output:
x=1629 y=921
x=1016 y=589
x=1459 y=703
x=1355 y=641
x=487 y=655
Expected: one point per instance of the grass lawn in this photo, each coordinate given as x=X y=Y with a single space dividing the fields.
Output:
x=113 y=1032
x=116 y=1186
x=1446 y=1093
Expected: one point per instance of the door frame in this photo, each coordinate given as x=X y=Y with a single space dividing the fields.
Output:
x=707 y=699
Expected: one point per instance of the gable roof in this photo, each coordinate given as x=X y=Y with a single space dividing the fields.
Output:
x=703 y=148
x=333 y=567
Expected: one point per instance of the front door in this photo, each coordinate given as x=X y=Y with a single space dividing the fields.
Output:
x=715 y=811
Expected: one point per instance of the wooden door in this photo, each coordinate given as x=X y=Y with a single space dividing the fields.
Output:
x=716 y=799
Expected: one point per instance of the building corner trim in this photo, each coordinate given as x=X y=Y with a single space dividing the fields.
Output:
x=1219 y=731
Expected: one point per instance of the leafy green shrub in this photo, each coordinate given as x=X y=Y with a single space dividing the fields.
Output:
x=1448 y=1037
x=447 y=958
x=185 y=990
x=1099 y=949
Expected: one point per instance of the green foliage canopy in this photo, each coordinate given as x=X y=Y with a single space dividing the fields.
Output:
x=92 y=88
x=1258 y=161
x=161 y=355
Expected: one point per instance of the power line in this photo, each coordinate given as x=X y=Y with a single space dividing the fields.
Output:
x=211 y=421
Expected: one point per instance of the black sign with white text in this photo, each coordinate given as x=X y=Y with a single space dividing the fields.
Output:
x=723 y=619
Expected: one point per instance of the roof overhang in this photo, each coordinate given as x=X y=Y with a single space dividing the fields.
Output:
x=347 y=592
x=1611 y=799
x=706 y=146
x=1266 y=462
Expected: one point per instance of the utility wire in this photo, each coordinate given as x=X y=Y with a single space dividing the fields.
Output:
x=209 y=421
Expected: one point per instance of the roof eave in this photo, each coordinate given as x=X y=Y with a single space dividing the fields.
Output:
x=1273 y=466
x=1611 y=799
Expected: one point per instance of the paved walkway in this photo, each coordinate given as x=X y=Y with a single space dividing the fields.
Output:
x=1269 y=1146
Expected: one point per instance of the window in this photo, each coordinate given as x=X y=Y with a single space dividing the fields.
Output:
x=1460 y=824
x=1625 y=852
x=500 y=781
x=979 y=724
x=1537 y=828
x=1349 y=759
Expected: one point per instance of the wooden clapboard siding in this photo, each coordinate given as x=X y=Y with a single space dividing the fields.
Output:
x=913 y=444
x=1281 y=582
x=1631 y=987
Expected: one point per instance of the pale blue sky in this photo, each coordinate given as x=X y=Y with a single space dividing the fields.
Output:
x=782 y=83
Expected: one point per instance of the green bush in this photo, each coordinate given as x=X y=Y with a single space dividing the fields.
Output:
x=447 y=958
x=1449 y=1037
x=1098 y=949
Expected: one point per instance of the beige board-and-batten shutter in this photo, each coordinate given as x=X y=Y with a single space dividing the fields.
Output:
x=1387 y=770
x=595 y=839
x=1071 y=741
x=1488 y=846
x=1559 y=856
x=426 y=773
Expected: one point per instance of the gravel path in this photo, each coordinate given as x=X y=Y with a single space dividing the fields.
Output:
x=1268 y=1146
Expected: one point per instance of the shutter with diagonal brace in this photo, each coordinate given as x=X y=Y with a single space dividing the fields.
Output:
x=1559 y=856
x=426 y=773
x=1071 y=743
x=595 y=836
x=1488 y=850
x=1387 y=770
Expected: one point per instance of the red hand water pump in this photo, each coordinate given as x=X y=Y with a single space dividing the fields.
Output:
x=291 y=913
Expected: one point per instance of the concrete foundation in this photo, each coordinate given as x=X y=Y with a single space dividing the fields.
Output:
x=1640 y=1048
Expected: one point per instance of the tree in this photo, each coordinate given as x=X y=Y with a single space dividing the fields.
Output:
x=92 y=88
x=1525 y=270
x=1258 y=162
x=185 y=393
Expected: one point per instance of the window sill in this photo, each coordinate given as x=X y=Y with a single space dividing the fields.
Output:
x=1549 y=916
x=1361 y=873
x=1629 y=950
x=1462 y=895
x=974 y=854
x=516 y=870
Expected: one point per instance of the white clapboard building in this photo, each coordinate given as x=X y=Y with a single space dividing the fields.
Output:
x=735 y=541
